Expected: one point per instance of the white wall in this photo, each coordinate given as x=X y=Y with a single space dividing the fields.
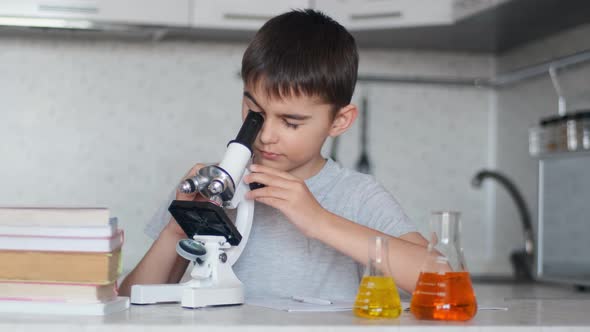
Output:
x=111 y=123
x=118 y=122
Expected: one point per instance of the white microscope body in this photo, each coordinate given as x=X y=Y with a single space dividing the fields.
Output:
x=216 y=244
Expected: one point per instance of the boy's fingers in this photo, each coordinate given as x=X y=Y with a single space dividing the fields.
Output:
x=268 y=179
x=268 y=192
x=193 y=171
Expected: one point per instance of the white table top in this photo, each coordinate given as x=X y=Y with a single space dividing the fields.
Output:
x=538 y=307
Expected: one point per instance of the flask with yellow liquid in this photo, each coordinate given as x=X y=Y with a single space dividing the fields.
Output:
x=377 y=295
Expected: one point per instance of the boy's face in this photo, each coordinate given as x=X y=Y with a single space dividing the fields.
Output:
x=293 y=133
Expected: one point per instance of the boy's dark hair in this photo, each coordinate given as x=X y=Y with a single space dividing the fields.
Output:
x=303 y=52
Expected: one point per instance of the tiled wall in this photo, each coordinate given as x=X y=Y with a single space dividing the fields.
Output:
x=118 y=122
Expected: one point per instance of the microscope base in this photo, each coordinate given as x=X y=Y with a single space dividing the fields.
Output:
x=202 y=297
x=150 y=294
x=188 y=296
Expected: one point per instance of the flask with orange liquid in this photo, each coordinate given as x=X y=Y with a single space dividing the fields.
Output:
x=444 y=290
x=377 y=295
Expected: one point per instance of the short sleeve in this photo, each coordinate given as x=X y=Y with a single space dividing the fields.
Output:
x=381 y=211
x=159 y=220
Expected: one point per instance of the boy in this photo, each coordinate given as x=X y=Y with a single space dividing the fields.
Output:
x=314 y=219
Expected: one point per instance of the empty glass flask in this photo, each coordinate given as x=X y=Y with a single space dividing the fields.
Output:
x=377 y=295
x=444 y=290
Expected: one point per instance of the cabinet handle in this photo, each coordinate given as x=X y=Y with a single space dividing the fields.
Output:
x=373 y=16
x=68 y=9
x=249 y=17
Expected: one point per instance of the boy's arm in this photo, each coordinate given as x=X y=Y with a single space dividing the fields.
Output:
x=406 y=253
x=291 y=196
x=161 y=264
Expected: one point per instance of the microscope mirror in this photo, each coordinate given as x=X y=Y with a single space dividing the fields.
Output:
x=190 y=249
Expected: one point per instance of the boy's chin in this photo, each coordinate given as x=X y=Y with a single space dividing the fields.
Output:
x=264 y=162
x=268 y=163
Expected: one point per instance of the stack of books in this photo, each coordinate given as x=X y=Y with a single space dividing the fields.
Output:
x=60 y=260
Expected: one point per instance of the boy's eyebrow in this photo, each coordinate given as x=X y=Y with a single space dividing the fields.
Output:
x=295 y=116
x=285 y=115
x=249 y=96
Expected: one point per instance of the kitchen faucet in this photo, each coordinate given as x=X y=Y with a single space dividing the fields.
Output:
x=522 y=260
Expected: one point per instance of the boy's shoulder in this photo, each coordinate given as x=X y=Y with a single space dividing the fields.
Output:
x=361 y=198
x=338 y=178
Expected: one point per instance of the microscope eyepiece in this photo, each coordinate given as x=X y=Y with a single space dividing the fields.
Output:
x=249 y=130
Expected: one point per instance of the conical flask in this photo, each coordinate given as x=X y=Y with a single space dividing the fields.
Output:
x=444 y=290
x=377 y=295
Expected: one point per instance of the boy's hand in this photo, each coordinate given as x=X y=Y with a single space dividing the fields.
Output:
x=288 y=194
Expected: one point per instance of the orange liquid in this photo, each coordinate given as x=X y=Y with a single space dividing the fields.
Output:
x=377 y=298
x=447 y=296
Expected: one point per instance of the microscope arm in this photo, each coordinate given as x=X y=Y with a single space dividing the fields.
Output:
x=244 y=218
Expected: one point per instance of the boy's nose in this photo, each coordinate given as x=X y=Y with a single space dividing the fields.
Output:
x=268 y=133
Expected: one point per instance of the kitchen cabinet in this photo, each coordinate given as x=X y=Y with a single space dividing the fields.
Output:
x=240 y=15
x=491 y=26
x=372 y=14
x=142 y=12
x=465 y=8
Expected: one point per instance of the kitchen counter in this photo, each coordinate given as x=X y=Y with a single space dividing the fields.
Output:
x=533 y=307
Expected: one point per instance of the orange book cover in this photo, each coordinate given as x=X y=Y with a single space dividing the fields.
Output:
x=67 y=267
x=56 y=292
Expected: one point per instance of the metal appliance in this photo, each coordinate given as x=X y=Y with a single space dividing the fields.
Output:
x=563 y=227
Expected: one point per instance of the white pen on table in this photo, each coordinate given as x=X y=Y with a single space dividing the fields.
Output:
x=311 y=300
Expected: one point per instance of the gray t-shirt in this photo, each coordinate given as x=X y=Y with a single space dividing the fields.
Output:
x=279 y=260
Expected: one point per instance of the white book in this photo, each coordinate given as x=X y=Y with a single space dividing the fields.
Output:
x=54 y=216
x=62 y=243
x=65 y=308
x=67 y=231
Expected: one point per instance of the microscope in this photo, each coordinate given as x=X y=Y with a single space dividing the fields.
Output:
x=214 y=242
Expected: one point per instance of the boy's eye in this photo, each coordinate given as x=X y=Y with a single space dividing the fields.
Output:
x=257 y=111
x=290 y=125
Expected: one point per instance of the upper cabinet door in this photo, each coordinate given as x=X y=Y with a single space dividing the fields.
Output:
x=464 y=8
x=82 y=9
x=240 y=14
x=153 y=12
x=378 y=14
x=148 y=12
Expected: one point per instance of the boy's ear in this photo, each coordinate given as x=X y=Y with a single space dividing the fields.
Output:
x=343 y=120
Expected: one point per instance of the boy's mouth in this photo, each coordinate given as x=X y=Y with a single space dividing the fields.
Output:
x=268 y=155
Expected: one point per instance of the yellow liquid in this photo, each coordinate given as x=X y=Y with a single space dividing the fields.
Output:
x=377 y=297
